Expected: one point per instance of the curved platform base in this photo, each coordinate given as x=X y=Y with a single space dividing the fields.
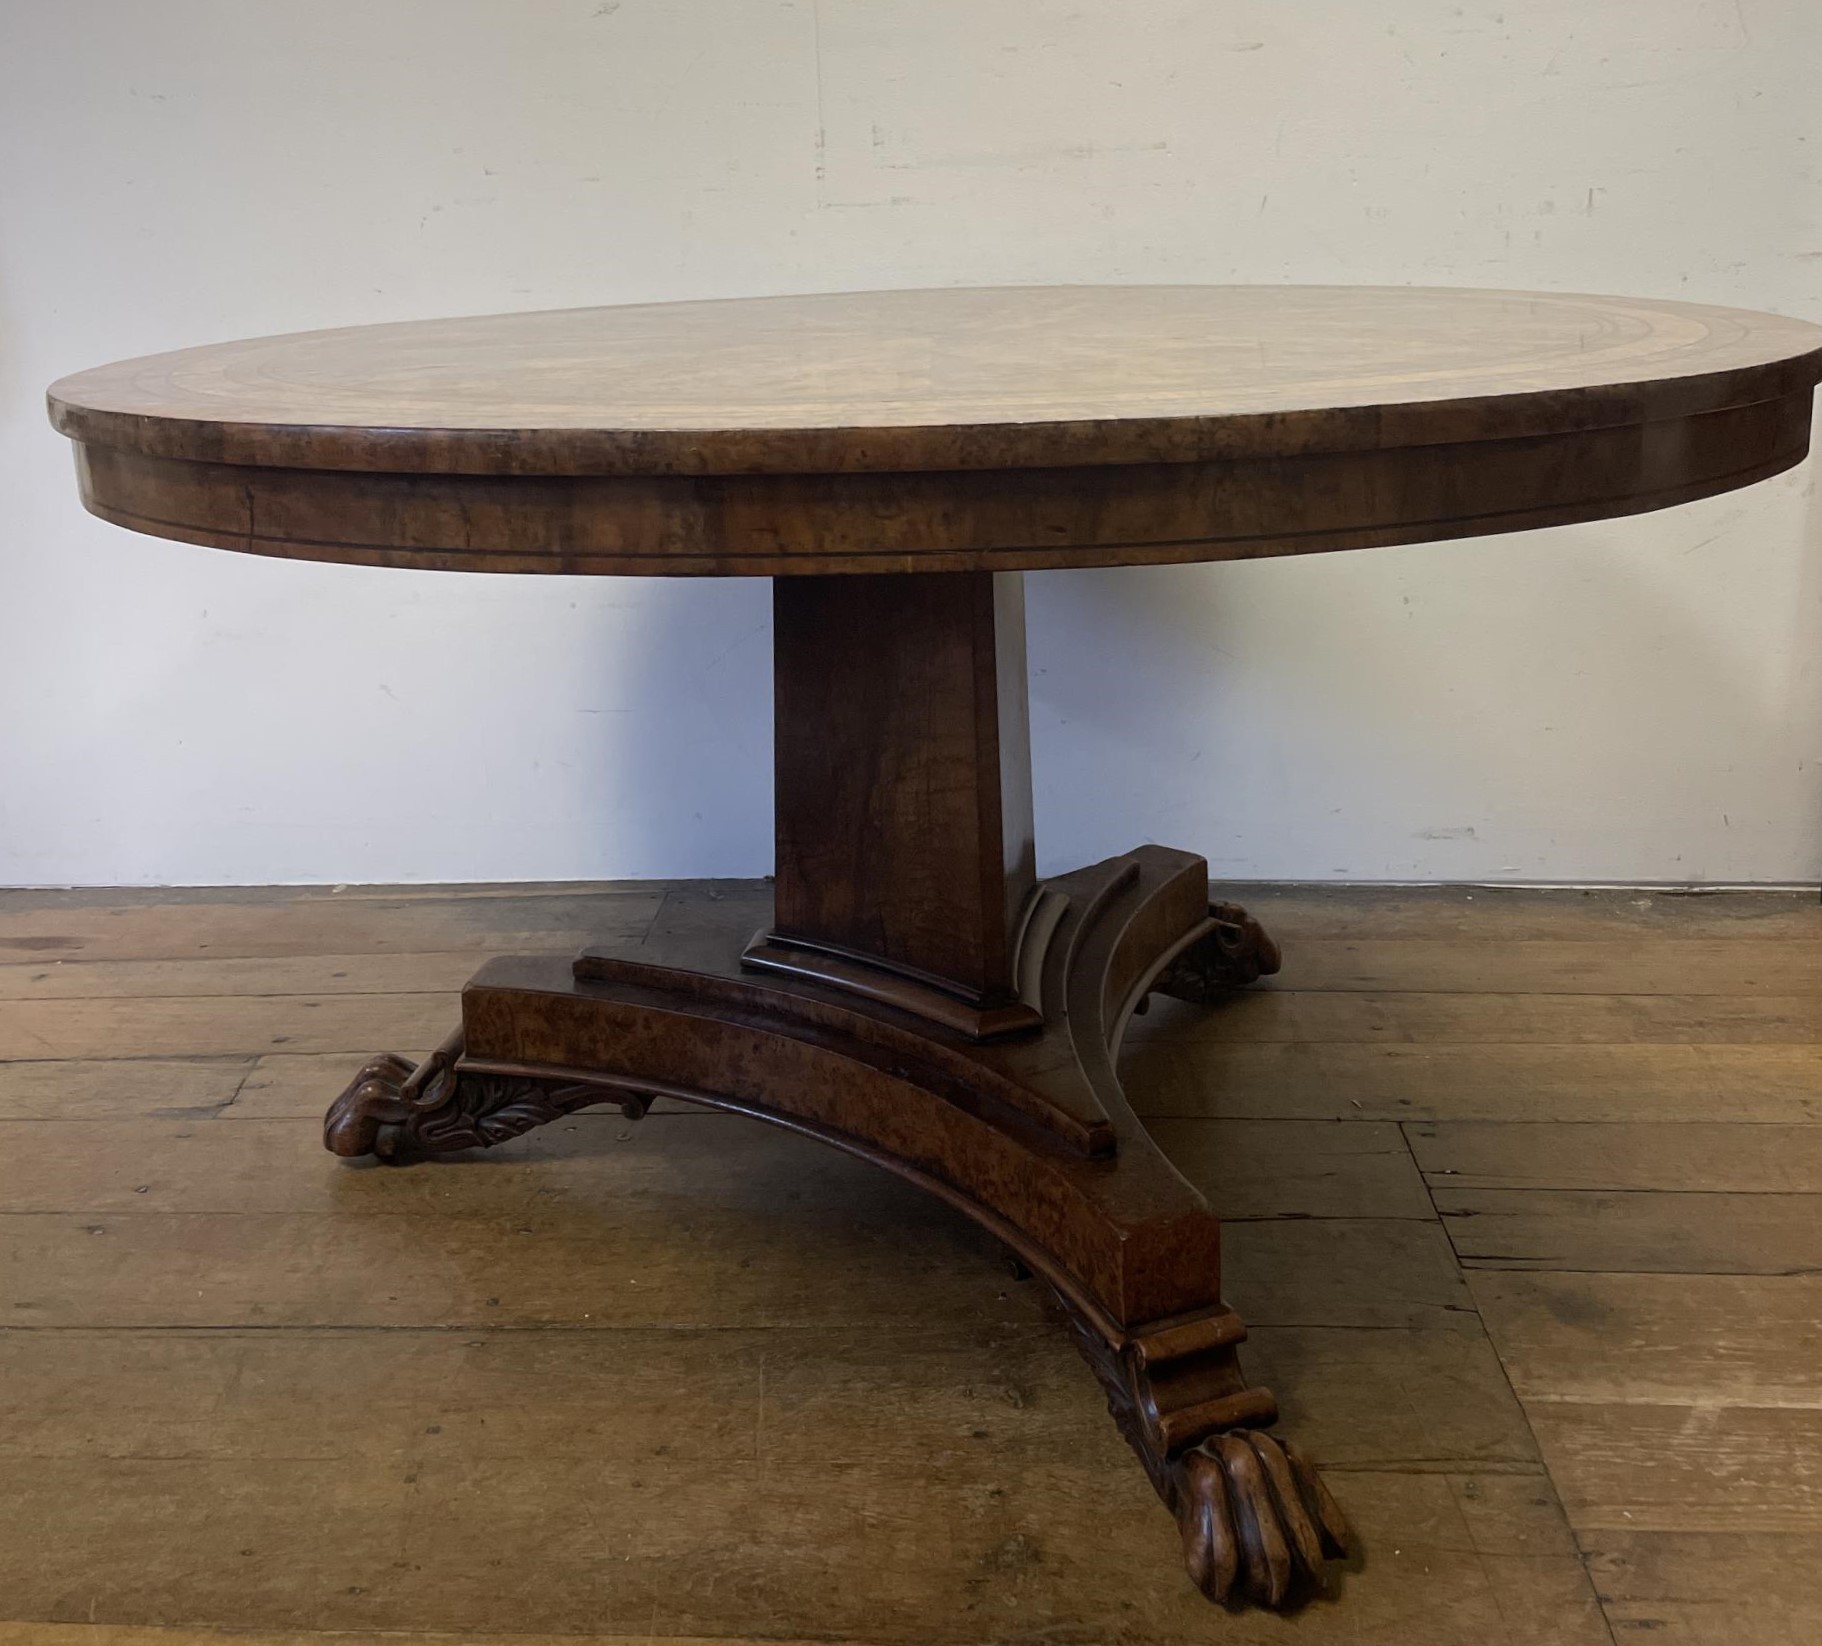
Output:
x=1030 y=1136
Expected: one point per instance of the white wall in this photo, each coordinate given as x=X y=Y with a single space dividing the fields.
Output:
x=1640 y=700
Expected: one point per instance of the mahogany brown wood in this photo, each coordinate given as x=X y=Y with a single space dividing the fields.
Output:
x=904 y=786
x=918 y=998
x=990 y=430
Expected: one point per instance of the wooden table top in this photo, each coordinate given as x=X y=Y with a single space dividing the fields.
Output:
x=1213 y=384
x=972 y=378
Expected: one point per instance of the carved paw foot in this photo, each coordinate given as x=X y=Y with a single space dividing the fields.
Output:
x=1257 y=1521
x=400 y=1112
x=366 y=1117
x=1235 y=951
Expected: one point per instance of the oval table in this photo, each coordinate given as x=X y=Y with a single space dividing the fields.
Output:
x=895 y=460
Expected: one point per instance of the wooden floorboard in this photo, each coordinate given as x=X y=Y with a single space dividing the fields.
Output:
x=1647 y=1257
x=1348 y=1017
x=1522 y=1187
x=1616 y=1081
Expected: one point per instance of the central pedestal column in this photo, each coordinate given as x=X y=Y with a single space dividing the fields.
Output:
x=905 y=863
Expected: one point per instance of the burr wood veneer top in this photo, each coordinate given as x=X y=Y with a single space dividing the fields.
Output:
x=997 y=429
x=996 y=377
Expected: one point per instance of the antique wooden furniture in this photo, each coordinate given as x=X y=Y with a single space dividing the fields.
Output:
x=895 y=460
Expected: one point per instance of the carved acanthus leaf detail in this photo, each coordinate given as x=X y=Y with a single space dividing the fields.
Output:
x=399 y=1112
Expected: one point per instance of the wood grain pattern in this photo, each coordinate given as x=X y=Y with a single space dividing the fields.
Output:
x=903 y=782
x=1459 y=1016
x=1708 y=1589
x=1656 y=1231
x=45 y=930
x=1007 y=377
x=1698 y=1156
x=984 y=430
x=1690 y=1340
x=1659 y=922
x=34 y=1030
x=111 y=1634
x=1693 y=966
x=198 y=1370
x=1576 y=1081
x=1692 y=1198
x=1650 y=1279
